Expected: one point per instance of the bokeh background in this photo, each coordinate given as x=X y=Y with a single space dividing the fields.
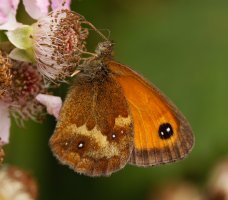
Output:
x=181 y=46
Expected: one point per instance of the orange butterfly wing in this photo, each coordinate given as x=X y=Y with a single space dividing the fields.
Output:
x=154 y=117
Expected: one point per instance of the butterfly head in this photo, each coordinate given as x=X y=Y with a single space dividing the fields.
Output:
x=104 y=49
x=95 y=69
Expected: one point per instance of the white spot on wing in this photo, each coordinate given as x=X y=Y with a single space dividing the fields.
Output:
x=107 y=149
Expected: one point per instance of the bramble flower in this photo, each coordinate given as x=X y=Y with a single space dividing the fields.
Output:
x=18 y=99
x=39 y=8
x=55 y=42
x=8 y=9
x=60 y=4
x=52 y=103
x=58 y=41
x=35 y=8
x=27 y=83
x=16 y=184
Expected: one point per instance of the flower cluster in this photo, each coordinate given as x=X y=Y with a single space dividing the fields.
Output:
x=26 y=84
x=20 y=84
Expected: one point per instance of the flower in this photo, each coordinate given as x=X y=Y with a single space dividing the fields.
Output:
x=52 y=103
x=16 y=184
x=55 y=42
x=8 y=9
x=18 y=99
x=59 y=4
x=39 y=8
x=35 y=8
x=58 y=42
x=27 y=83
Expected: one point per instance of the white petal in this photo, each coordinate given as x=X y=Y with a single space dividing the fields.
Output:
x=4 y=123
x=36 y=8
x=52 y=103
x=10 y=24
x=8 y=9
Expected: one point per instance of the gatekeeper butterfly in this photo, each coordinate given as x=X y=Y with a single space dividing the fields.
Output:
x=113 y=116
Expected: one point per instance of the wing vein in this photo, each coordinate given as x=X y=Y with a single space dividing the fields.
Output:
x=144 y=128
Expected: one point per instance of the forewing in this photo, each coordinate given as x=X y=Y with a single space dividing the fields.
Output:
x=161 y=132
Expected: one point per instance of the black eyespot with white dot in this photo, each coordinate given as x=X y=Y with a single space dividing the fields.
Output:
x=81 y=145
x=165 y=131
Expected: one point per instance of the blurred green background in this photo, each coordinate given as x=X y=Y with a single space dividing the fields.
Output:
x=181 y=46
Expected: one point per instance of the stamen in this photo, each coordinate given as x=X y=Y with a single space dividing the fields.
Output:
x=59 y=41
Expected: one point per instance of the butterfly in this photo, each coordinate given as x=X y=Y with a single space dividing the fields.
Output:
x=113 y=116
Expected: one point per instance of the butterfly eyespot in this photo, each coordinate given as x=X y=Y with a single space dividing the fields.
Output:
x=165 y=131
x=113 y=136
x=81 y=145
x=65 y=145
x=122 y=131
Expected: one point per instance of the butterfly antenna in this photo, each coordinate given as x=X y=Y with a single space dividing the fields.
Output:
x=95 y=29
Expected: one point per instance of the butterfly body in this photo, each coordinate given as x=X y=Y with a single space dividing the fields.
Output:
x=112 y=116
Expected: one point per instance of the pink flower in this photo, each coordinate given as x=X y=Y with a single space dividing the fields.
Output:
x=52 y=103
x=58 y=41
x=59 y=4
x=21 y=96
x=8 y=10
x=18 y=97
x=39 y=8
x=35 y=8
x=55 y=42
